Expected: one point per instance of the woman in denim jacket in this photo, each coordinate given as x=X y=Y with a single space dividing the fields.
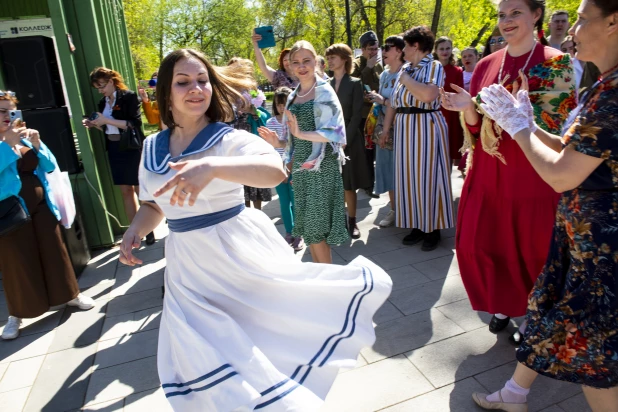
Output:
x=35 y=265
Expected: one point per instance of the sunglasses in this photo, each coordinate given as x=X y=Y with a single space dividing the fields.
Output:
x=387 y=47
x=7 y=93
x=500 y=41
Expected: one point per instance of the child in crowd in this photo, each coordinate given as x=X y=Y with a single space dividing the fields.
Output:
x=284 y=189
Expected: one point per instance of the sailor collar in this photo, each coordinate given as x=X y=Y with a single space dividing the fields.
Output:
x=157 y=149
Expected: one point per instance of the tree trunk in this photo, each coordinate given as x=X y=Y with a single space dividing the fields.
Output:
x=436 y=16
x=380 y=16
x=364 y=17
x=480 y=35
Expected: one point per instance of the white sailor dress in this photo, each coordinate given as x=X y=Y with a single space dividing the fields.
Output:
x=246 y=325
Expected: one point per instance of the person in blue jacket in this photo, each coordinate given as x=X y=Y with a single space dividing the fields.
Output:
x=36 y=269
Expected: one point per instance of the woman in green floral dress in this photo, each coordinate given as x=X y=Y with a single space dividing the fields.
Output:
x=314 y=115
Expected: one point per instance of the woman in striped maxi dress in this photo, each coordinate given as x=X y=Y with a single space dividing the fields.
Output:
x=423 y=199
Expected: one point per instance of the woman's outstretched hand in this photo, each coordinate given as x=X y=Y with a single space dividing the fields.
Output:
x=130 y=240
x=509 y=113
x=457 y=102
x=270 y=136
x=192 y=177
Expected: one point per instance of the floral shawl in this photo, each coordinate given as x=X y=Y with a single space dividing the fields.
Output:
x=329 y=121
x=552 y=94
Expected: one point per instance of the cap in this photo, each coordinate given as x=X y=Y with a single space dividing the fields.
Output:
x=368 y=37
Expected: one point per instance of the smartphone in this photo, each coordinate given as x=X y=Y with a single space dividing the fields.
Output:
x=367 y=88
x=268 y=36
x=93 y=116
x=15 y=115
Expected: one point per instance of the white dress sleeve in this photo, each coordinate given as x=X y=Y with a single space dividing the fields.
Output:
x=242 y=143
x=144 y=195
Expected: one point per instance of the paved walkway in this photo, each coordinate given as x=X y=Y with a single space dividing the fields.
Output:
x=432 y=350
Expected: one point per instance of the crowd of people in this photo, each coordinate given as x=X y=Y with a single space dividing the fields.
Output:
x=530 y=121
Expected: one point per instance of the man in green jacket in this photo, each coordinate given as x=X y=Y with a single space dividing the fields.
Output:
x=368 y=68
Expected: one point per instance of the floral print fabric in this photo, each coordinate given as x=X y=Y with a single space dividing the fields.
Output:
x=572 y=331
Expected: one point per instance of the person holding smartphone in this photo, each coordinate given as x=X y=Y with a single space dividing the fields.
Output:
x=37 y=272
x=119 y=108
x=282 y=77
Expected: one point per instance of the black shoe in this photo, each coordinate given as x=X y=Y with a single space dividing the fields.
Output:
x=150 y=238
x=353 y=229
x=496 y=325
x=415 y=236
x=371 y=194
x=432 y=240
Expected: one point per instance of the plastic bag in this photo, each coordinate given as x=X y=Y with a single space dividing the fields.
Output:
x=61 y=190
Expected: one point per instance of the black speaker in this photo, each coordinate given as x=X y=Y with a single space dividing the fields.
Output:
x=77 y=244
x=55 y=129
x=31 y=71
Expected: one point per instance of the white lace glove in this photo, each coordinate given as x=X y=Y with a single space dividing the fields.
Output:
x=511 y=114
x=524 y=102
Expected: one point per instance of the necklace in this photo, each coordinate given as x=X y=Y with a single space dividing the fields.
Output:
x=504 y=58
x=604 y=74
x=309 y=91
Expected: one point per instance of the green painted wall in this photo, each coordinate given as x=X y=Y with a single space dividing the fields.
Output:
x=23 y=8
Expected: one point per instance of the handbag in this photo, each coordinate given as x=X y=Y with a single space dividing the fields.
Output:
x=377 y=131
x=130 y=138
x=12 y=215
x=61 y=190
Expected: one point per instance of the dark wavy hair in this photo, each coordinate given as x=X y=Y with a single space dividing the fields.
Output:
x=398 y=42
x=280 y=97
x=284 y=53
x=226 y=87
x=422 y=35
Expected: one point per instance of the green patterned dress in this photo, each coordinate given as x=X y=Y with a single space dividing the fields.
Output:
x=319 y=212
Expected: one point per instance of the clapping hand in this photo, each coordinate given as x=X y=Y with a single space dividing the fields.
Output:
x=293 y=124
x=458 y=101
x=192 y=177
x=511 y=114
x=270 y=136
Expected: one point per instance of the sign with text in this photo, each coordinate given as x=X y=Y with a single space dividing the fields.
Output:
x=21 y=28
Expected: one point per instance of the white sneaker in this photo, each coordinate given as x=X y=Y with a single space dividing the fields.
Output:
x=11 y=329
x=389 y=219
x=82 y=301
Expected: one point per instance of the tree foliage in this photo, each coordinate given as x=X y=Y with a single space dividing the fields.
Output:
x=222 y=28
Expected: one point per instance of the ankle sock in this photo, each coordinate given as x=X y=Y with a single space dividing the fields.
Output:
x=500 y=316
x=511 y=393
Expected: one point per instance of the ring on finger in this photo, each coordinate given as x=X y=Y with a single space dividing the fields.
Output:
x=183 y=192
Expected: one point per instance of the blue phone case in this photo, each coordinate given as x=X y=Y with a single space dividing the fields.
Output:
x=268 y=36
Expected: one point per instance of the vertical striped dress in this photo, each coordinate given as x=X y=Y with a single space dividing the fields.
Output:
x=423 y=198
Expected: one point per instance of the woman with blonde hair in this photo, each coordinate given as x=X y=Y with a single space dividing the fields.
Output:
x=119 y=109
x=245 y=325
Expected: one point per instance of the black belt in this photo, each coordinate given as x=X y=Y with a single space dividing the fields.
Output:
x=414 y=110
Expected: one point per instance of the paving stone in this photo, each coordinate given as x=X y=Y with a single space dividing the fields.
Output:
x=439 y=268
x=462 y=356
x=376 y=386
x=406 y=276
x=368 y=247
x=408 y=256
x=462 y=314
x=122 y=380
x=21 y=374
x=3 y=368
x=97 y=273
x=386 y=313
x=44 y=323
x=79 y=327
x=427 y=295
x=126 y=349
x=135 y=302
x=456 y=397
x=554 y=408
x=149 y=255
x=4 y=310
x=117 y=405
x=408 y=333
x=149 y=276
x=152 y=401
x=544 y=393
x=577 y=403
x=25 y=347
x=62 y=381
x=14 y=400
x=117 y=326
x=100 y=291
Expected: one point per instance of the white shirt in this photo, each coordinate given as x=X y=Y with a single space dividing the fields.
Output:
x=107 y=112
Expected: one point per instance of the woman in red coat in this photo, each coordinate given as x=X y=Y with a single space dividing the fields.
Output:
x=443 y=51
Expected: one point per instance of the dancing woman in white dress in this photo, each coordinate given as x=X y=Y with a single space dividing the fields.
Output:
x=245 y=325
